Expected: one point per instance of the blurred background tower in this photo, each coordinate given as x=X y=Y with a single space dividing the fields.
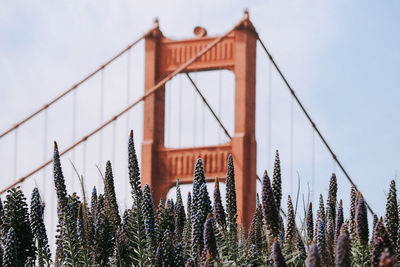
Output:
x=161 y=165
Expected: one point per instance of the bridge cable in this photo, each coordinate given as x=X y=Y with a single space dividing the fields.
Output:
x=66 y=92
x=44 y=141
x=311 y=121
x=313 y=165
x=149 y=92
x=219 y=101
x=211 y=110
x=84 y=158
x=203 y=124
x=128 y=99
x=15 y=153
x=74 y=102
x=269 y=113
x=218 y=120
x=114 y=138
x=291 y=137
x=180 y=111
x=206 y=104
x=169 y=113
x=194 y=114
x=101 y=118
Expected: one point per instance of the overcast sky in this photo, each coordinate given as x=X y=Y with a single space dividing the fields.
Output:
x=341 y=57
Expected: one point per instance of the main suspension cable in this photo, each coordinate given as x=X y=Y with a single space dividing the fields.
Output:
x=208 y=106
x=311 y=121
x=211 y=110
x=66 y=92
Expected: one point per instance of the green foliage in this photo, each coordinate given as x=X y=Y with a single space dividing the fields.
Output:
x=362 y=221
x=62 y=206
x=277 y=181
x=16 y=216
x=10 y=254
x=332 y=198
x=291 y=226
x=256 y=232
x=133 y=166
x=231 y=205
x=149 y=220
x=210 y=243
x=1 y=219
x=180 y=215
x=136 y=233
x=360 y=254
x=219 y=212
x=39 y=229
x=270 y=211
x=339 y=219
x=392 y=216
x=165 y=220
x=309 y=224
x=329 y=237
x=111 y=205
x=277 y=256
x=103 y=244
x=313 y=258
x=167 y=248
x=321 y=243
x=343 y=256
x=321 y=217
x=187 y=234
x=201 y=235
x=387 y=259
x=121 y=254
x=81 y=225
x=353 y=204
x=73 y=255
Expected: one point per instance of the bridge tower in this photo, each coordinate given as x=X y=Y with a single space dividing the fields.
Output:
x=162 y=166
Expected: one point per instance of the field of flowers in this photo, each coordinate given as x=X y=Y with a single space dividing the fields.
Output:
x=196 y=234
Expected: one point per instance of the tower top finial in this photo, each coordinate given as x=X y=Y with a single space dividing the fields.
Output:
x=246 y=13
x=156 y=22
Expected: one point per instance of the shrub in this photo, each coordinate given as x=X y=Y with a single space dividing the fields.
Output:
x=201 y=234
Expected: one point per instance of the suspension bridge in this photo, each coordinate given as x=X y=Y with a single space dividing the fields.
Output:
x=162 y=163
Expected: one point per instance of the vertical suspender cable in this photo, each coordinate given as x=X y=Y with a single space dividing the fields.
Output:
x=219 y=102
x=311 y=121
x=84 y=159
x=291 y=144
x=15 y=152
x=44 y=182
x=169 y=114
x=101 y=118
x=203 y=124
x=194 y=113
x=51 y=201
x=44 y=142
x=73 y=135
x=128 y=88
x=128 y=100
x=180 y=111
x=269 y=164
x=114 y=142
x=313 y=166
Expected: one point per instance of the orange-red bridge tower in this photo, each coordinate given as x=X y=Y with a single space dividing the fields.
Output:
x=162 y=166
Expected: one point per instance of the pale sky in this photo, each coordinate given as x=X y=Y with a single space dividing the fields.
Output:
x=342 y=58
